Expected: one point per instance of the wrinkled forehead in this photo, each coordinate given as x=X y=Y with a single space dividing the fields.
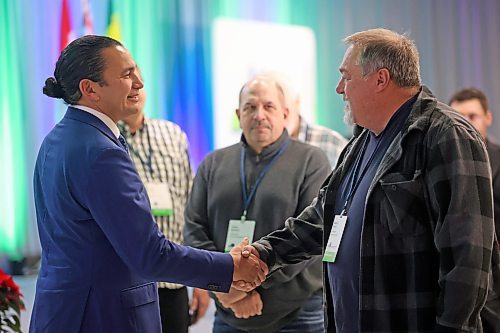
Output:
x=350 y=59
x=260 y=90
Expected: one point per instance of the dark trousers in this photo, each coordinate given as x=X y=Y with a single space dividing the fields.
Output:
x=174 y=310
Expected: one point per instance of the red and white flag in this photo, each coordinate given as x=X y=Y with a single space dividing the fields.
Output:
x=67 y=33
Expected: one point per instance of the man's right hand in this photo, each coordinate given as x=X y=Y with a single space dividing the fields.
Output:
x=249 y=271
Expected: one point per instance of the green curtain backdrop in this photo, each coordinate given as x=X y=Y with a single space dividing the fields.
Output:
x=13 y=177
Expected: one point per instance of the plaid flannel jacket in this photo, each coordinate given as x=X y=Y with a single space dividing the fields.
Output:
x=427 y=239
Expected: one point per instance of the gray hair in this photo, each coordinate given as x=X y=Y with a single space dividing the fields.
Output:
x=273 y=81
x=286 y=84
x=383 y=48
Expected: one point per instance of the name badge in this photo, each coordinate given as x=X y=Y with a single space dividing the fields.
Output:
x=332 y=247
x=236 y=231
x=160 y=199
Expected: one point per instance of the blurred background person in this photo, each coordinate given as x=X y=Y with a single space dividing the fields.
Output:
x=250 y=188
x=159 y=150
x=473 y=105
x=328 y=140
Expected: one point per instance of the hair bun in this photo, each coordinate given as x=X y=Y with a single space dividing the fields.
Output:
x=52 y=88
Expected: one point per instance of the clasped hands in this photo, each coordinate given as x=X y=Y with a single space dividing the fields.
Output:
x=243 y=304
x=242 y=299
x=249 y=270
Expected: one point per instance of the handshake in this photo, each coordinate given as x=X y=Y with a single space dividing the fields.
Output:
x=249 y=270
x=249 y=273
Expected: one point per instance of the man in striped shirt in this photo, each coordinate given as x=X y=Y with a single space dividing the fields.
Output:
x=159 y=150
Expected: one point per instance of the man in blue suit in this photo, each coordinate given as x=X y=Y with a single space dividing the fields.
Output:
x=101 y=249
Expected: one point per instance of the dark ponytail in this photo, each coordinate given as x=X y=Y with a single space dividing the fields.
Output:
x=52 y=88
x=81 y=59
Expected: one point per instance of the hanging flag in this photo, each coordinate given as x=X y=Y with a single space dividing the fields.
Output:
x=88 y=22
x=67 y=33
x=113 y=30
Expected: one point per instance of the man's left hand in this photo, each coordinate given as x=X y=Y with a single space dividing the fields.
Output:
x=199 y=304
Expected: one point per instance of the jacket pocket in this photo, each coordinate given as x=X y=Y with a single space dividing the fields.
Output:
x=402 y=209
x=141 y=304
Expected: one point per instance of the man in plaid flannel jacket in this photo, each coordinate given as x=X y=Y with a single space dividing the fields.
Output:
x=428 y=261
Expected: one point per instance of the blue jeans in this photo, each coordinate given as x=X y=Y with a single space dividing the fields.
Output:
x=309 y=319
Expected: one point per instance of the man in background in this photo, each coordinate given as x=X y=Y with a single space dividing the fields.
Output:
x=328 y=140
x=248 y=189
x=159 y=150
x=473 y=105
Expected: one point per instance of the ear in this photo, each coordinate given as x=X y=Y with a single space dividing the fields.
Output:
x=489 y=118
x=286 y=112
x=239 y=116
x=88 y=89
x=383 y=78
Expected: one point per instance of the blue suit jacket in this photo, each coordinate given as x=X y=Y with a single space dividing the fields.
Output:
x=101 y=248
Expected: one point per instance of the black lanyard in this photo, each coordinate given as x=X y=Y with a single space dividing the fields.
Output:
x=354 y=179
x=247 y=198
x=149 y=156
